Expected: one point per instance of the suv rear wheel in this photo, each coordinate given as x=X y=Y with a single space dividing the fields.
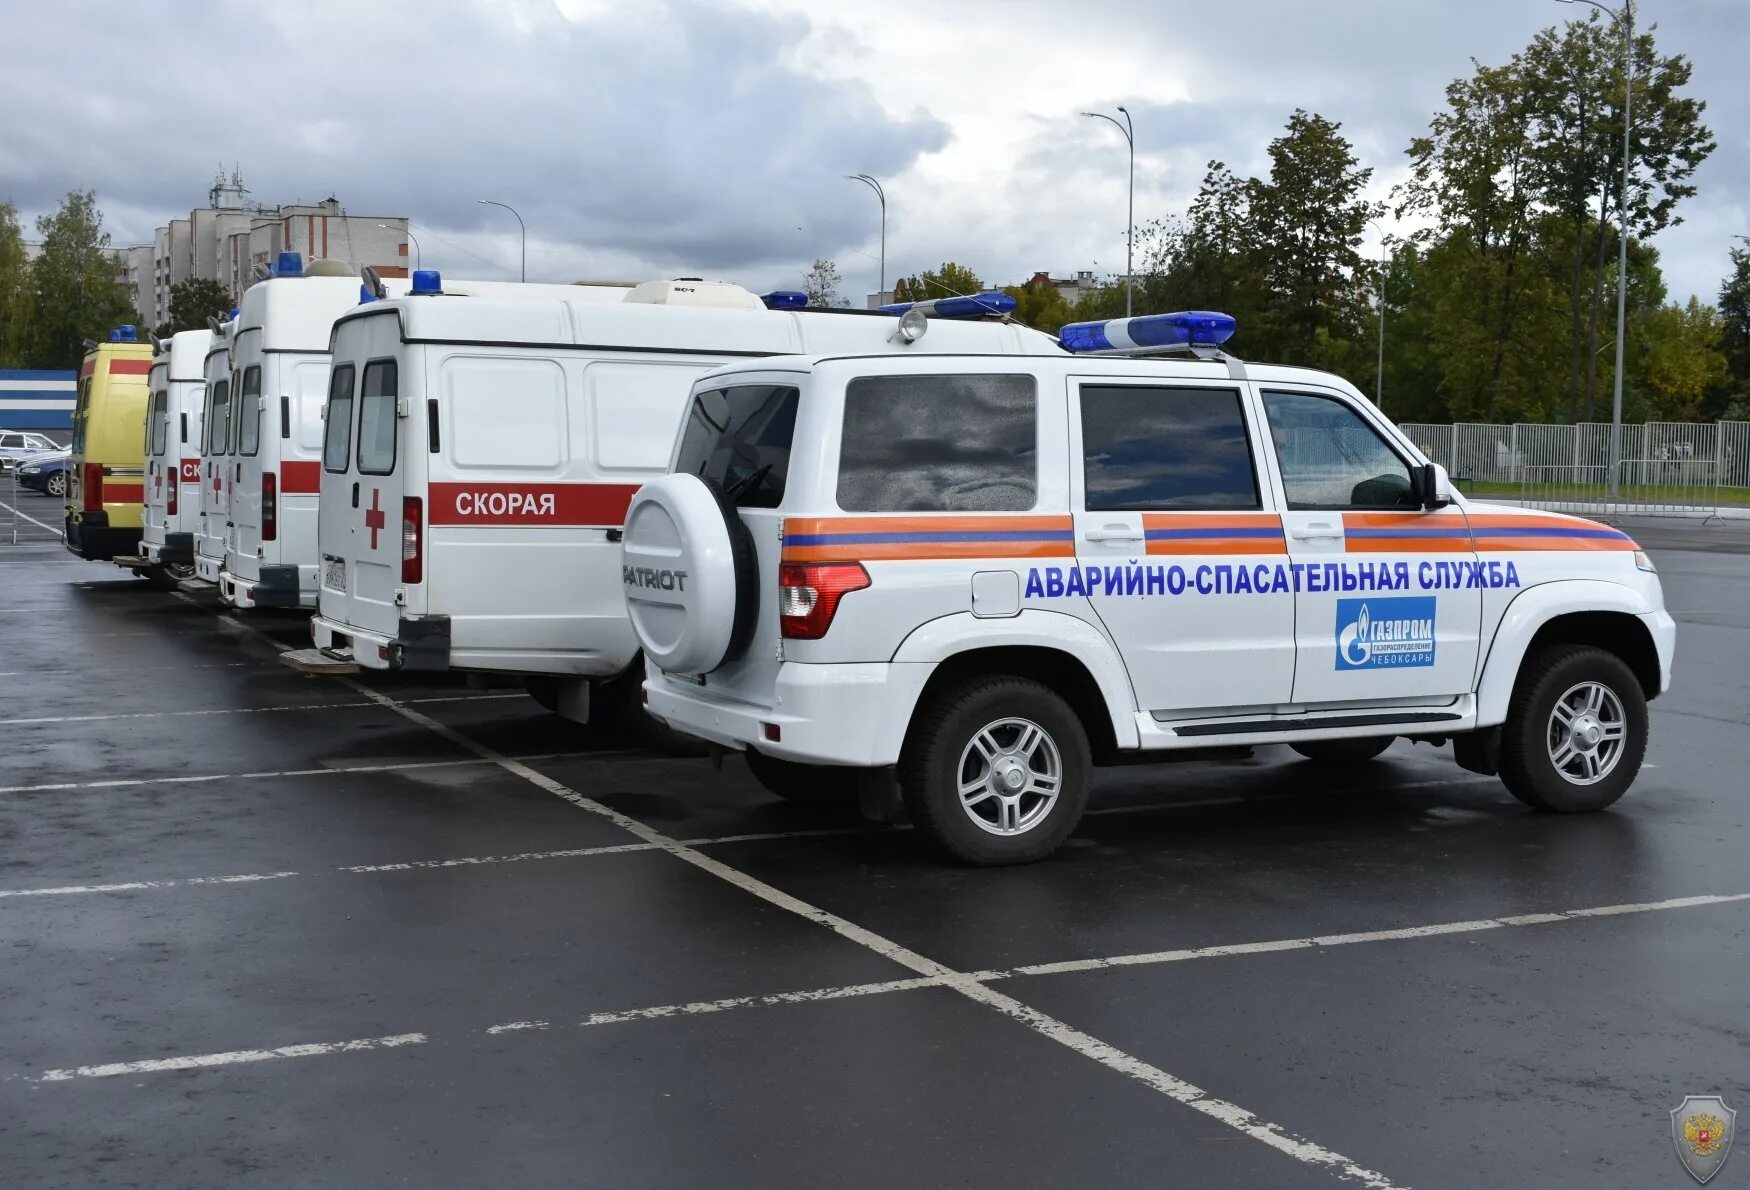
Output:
x=996 y=770
x=1337 y=752
x=1576 y=730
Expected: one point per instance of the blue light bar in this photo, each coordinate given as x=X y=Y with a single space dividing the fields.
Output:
x=981 y=305
x=784 y=299
x=1187 y=328
x=125 y=333
x=426 y=282
x=289 y=264
x=365 y=294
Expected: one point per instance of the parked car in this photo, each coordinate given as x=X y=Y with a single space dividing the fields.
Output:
x=18 y=445
x=46 y=473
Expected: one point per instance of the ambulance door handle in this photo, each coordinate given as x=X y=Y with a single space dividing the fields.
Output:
x=1114 y=533
x=355 y=493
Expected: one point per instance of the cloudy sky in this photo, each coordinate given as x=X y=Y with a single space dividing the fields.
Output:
x=644 y=138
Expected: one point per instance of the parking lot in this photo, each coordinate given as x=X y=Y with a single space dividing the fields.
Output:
x=266 y=929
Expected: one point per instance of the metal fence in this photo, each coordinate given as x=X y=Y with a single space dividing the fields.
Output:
x=1664 y=467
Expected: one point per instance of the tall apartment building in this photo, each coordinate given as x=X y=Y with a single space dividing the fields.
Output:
x=232 y=237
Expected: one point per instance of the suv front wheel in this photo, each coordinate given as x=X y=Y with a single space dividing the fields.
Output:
x=1576 y=730
x=996 y=770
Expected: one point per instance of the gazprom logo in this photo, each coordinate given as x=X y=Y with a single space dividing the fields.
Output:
x=1385 y=633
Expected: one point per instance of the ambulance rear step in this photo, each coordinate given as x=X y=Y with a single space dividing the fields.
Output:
x=131 y=561
x=197 y=586
x=316 y=661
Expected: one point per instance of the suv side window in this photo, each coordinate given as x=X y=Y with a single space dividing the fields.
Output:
x=1158 y=449
x=378 y=425
x=337 y=421
x=1332 y=458
x=738 y=441
x=249 y=412
x=940 y=444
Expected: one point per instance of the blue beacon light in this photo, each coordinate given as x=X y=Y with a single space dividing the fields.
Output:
x=289 y=264
x=426 y=282
x=1186 y=328
x=785 y=299
x=980 y=305
x=125 y=333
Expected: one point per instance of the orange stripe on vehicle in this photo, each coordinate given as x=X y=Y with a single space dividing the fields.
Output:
x=1172 y=533
x=898 y=539
x=1404 y=533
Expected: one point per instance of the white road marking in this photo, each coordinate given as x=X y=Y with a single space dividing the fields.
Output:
x=1228 y=1113
x=55 y=529
x=333 y=770
x=138 y=885
x=105 y=673
x=313 y=706
x=234 y=1057
x=475 y=860
x=1326 y=940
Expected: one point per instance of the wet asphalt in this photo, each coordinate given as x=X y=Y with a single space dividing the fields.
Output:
x=258 y=929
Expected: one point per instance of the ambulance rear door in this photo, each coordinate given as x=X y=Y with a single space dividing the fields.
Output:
x=160 y=455
x=186 y=400
x=243 y=554
x=362 y=538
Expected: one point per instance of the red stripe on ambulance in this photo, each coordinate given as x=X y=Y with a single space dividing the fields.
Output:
x=565 y=504
x=300 y=477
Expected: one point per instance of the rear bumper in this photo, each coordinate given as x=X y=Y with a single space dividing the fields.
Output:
x=208 y=569
x=92 y=538
x=830 y=714
x=422 y=645
x=277 y=587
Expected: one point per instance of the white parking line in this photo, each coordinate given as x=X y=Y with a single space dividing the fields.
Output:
x=477 y=860
x=234 y=1057
x=138 y=885
x=332 y=770
x=313 y=706
x=55 y=529
x=1177 y=1089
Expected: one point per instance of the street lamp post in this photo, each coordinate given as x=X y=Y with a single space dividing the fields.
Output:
x=1129 y=131
x=882 y=195
x=1379 y=370
x=1627 y=17
x=408 y=232
x=519 y=222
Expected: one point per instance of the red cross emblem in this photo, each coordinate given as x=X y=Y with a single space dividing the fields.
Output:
x=157 y=481
x=218 y=483
x=374 y=519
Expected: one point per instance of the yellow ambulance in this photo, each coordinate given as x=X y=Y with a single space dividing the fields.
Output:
x=106 y=474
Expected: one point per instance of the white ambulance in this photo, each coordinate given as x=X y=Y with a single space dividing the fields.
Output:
x=170 y=507
x=481 y=452
x=214 y=462
x=987 y=575
x=279 y=374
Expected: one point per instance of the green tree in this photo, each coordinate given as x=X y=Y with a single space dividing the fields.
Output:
x=75 y=294
x=1038 y=304
x=1677 y=359
x=1735 y=332
x=821 y=283
x=15 y=290
x=191 y=302
x=949 y=280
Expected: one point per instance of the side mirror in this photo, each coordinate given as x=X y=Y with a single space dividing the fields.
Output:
x=1430 y=486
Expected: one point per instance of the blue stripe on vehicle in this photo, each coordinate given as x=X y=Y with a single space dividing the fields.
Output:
x=927 y=538
x=1552 y=531
x=1353 y=531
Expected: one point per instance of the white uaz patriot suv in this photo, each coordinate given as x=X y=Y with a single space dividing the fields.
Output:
x=996 y=572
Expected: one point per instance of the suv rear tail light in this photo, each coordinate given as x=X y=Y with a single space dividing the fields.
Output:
x=91 y=487
x=169 y=490
x=412 y=541
x=809 y=594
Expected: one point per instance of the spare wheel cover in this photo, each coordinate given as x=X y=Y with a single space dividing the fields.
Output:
x=678 y=571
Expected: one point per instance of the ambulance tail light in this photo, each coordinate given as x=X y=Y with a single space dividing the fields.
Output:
x=91 y=487
x=170 y=490
x=270 y=506
x=809 y=594
x=412 y=540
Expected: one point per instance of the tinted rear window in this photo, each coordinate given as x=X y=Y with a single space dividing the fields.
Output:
x=157 y=422
x=738 y=440
x=1153 y=448
x=939 y=444
x=218 y=421
x=377 y=421
x=337 y=420
x=248 y=412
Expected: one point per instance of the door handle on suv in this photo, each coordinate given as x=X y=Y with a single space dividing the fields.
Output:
x=1318 y=531
x=1114 y=533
